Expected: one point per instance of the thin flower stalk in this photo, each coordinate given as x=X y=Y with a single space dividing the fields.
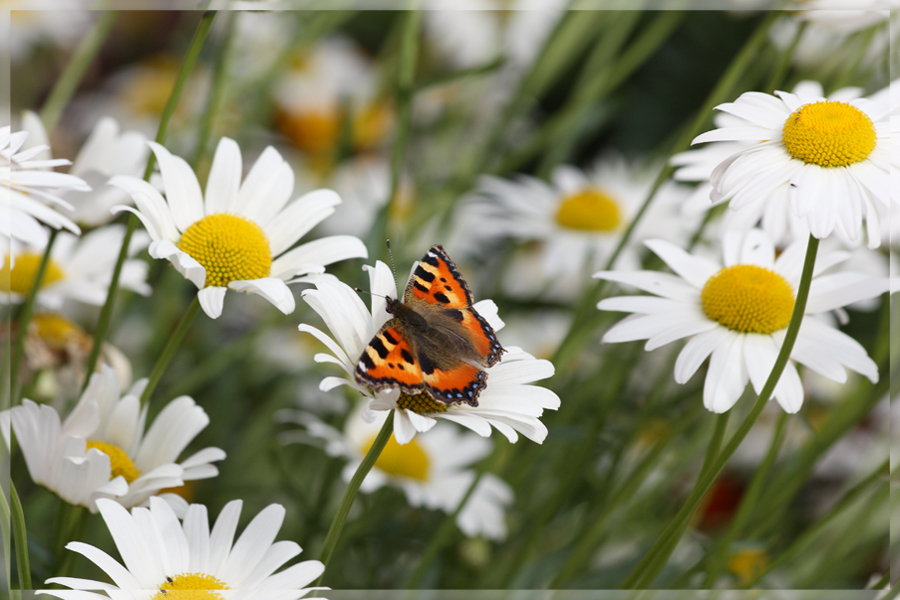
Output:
x=24 y=320
x=579 y=334
x=77 y=66
x=337 y=525
x=20 y=536
x=186 y=67
x=718 y=555
x=214 y=99
x=169 y=351
x=645 y=572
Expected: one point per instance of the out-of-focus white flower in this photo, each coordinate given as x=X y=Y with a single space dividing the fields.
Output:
x=238 y=236
x=101 y=449
x=477 y=31
x=573 y=224
x=314 y=97
x=42 y=22
x=431 y=469
x=79 y=269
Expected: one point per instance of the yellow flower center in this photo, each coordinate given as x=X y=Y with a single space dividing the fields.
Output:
x=119 y=462
x=748 y=564
x=589 y=210
x=230 y=248
x=422 y=403
x=408 y=460
x=749 y=299
x=829 y=134
x=191 y=586
x=316 y=132
x=57 y=331
x=20 y=279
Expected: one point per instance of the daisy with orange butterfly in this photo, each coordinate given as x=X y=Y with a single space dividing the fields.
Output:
x=437 y=358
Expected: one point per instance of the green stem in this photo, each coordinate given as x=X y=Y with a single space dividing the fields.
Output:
x=21 y=539
x=718 y=556
x=5 y=533
x=784 y=61
x=76 y=68
x=186 y=67
x=405 y=90
x=25 y=319
x=214 y=100
x=645 y=572
x=598 y=525
x=448 y=526
x=809 y=535
x=440 y=538
x=715 y=443
x=334 y=532
x=169 y=351
x=578 y=334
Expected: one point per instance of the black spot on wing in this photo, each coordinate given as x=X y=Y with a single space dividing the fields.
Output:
x=367 y=361
x=390 y=338
x=420 y=287
x=431 y=260
x=440 y=297
x=423 y=274
x=454 y=314
x=426 y=365
x=379 y=347
x=406 y=356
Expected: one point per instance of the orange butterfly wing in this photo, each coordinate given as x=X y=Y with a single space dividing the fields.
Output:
x=388 y=361
x=437 y=281
x=391 y=360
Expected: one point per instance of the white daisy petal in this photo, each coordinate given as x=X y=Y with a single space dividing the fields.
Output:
x=272 y=289
x=212 y=300
x=224 y=178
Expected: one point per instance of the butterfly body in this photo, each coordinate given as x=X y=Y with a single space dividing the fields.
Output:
x=436 y=342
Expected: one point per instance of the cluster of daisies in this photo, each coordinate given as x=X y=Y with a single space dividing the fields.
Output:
x=789 y=166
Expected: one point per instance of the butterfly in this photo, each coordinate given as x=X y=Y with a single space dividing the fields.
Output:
x=436 y=342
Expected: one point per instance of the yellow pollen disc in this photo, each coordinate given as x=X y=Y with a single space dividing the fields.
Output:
x=748 y=564
x=57 y=331
x=119 y=462
x=191 y=586
x=422 y=403
x=230 y=248
x=409 y=460
x=749 y=299
x=589 y=210
x=24 y=273
x=829 y=134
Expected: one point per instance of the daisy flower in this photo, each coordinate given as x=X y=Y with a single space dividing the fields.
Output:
x=577 y=219
x=238 y=236
x=162 y=555
x=430 y=469
x=26 y=188
x=827 y=159
x=737 y=312
x=102 y=450
x=698 y=164
x=106 y=152
x=78 y=269
x=508 y=403
x=325 y=82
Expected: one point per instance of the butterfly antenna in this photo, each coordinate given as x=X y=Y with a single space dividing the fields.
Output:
x=393 y=266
